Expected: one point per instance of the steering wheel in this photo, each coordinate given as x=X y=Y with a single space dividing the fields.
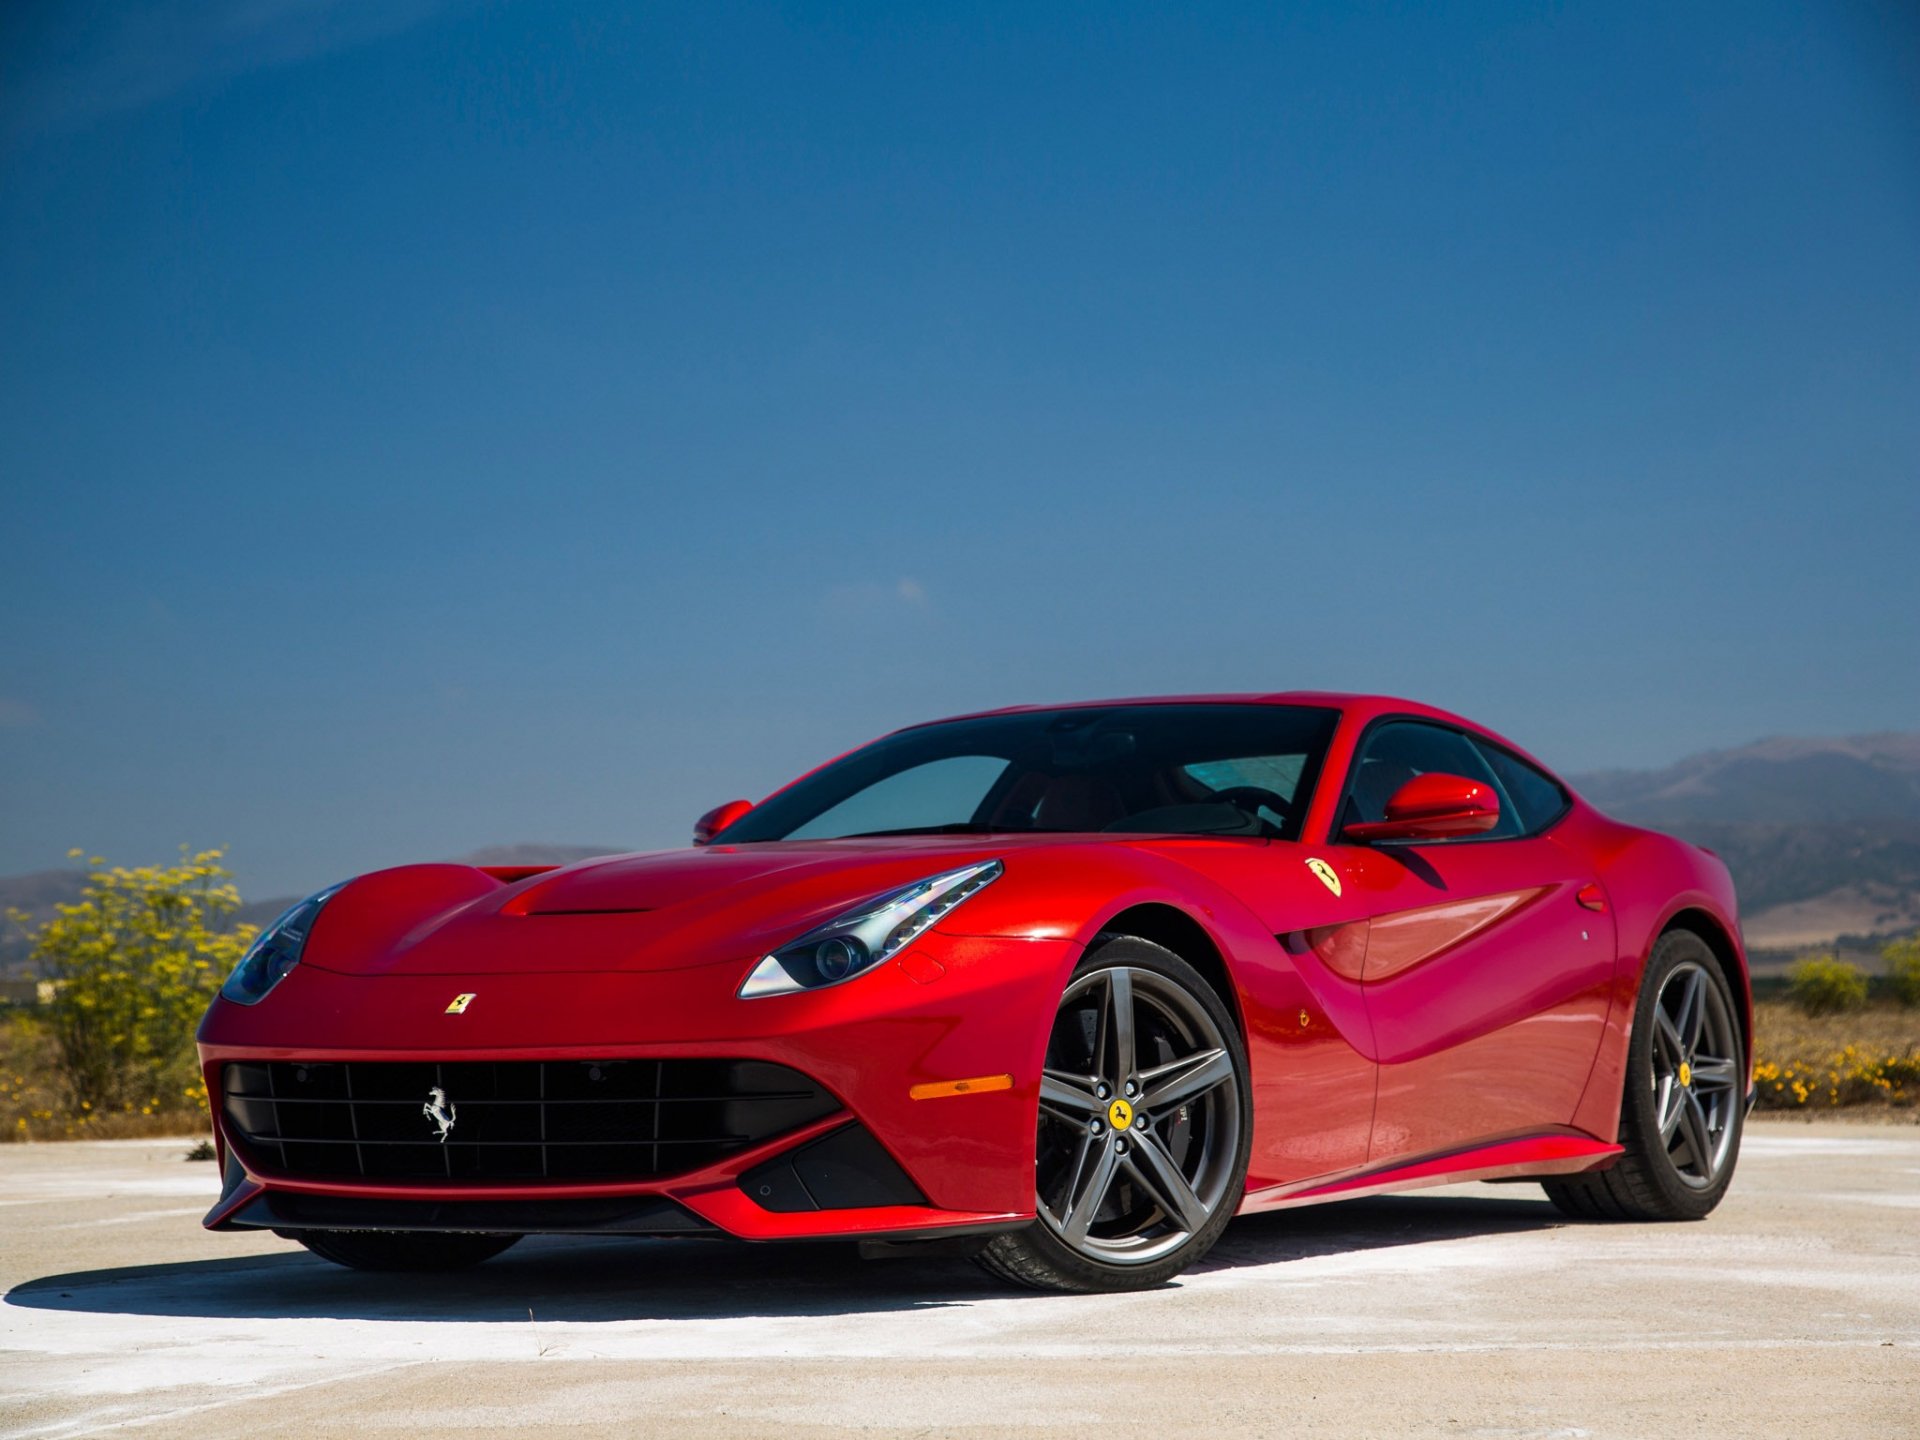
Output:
x=1252 y=798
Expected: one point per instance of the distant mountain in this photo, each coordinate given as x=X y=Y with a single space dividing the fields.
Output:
x=536 y=854
x=39 y=892
x=1871 y=778
x=36 y=894
x=1822 y=836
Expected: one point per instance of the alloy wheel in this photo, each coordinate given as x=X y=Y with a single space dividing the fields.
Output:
x=1696 y=1080
x=1140 y=1117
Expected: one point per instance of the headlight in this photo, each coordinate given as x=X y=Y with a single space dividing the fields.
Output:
x=853 y=943
x=274 y=952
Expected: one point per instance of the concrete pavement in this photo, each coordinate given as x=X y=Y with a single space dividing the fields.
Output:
x=1793 y=1311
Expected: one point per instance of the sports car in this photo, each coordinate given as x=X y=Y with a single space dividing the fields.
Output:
x=1066 y=988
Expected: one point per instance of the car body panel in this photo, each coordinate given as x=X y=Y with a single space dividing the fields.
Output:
x=1487 y=986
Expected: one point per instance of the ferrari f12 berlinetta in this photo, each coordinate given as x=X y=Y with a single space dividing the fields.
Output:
x=1069 y=987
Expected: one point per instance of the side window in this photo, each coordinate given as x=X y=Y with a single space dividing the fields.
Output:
x=1397 y=752
x=1537 y=798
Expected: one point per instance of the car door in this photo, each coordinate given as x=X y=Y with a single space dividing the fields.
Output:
x=1486 y=962
x=1309 y=1039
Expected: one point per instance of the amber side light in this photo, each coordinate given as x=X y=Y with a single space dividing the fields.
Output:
x=978 y=1085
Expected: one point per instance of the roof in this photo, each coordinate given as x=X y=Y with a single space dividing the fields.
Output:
x=1351 y=702
x=1354 y=704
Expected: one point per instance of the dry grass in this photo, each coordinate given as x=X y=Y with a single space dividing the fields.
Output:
x=1781 y=1032
x=31 y=1107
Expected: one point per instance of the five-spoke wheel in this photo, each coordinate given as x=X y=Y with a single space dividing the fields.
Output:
x=1697 y=1077
x=1141 y=1145
x=1685 y=1098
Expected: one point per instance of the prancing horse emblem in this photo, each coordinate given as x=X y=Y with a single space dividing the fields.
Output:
x=441 y=1111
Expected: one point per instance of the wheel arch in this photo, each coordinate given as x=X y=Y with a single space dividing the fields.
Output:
x=1174 y=929
x=1726 y=954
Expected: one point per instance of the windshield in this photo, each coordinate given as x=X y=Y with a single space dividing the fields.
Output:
x=1155 y=769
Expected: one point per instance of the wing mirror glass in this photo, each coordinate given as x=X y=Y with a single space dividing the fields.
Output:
x=718 y=819
x=1432 y=807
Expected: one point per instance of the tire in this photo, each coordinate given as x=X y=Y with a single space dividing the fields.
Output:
x=396 y=1251
x=1132 y=1185
x=1686 y=1065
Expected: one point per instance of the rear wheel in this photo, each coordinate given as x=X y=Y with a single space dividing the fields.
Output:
x=1141 y=1148
x=1685 y=1102
x=395 y=1250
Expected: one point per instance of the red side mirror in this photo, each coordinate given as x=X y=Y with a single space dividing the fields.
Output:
x=1433 y=807
x=718 y=819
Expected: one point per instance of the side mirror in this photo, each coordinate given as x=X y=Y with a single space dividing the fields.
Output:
x=1433 y=807
x=718 y=819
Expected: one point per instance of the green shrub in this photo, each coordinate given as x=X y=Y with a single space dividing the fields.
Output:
x=1826 y=985
x=1903 y=969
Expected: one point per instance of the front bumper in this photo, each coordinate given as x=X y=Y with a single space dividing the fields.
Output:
x=969 y=1007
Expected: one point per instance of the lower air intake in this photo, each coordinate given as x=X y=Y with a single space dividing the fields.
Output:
x=846 y=1169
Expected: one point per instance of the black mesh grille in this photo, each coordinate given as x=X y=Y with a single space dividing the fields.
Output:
x=511 y=1119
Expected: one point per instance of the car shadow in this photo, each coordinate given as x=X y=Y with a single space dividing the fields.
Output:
x=1378 y=1222
x=585 y=1280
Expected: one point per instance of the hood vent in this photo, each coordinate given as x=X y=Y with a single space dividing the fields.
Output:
x=598 y=910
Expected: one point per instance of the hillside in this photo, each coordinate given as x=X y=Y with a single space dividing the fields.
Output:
x=1871 y=778
x=1822 y=836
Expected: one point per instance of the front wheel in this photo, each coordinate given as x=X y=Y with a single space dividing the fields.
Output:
x=397 y=1250
x=1685 y=1101
x=1141 y=1148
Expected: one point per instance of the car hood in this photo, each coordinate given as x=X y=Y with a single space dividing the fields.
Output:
x=665 y=910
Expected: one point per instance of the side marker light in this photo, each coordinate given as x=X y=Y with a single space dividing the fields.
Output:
x=978 y=1085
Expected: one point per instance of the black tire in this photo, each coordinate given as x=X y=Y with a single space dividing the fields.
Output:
x=1660 y=1177
x=1182 y=1037
x=402 y=1251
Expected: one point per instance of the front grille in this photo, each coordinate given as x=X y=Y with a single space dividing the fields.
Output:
x=511 y=1119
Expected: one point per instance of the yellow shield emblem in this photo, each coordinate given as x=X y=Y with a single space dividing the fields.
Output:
x=1325 y=872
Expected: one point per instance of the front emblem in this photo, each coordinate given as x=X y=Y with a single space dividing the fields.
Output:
x=441 y=1111
x=1325 y=872
x=458 y=1005
x=1121 y=1114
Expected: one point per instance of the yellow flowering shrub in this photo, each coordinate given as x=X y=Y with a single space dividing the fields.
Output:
x=133 y=963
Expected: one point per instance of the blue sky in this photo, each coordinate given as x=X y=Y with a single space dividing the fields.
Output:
x=424 y=426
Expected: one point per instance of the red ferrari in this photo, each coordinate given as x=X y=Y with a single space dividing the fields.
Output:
x=1067 y=987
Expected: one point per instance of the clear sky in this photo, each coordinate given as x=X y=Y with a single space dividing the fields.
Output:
x=425 y=426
